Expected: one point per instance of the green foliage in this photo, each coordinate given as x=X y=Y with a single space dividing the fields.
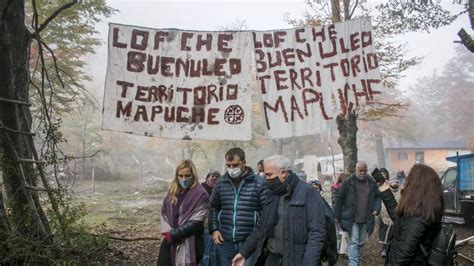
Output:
x=390 y=19
x=83 y=131
x=69 y=229
x=402 y=16
x=72 y=243
x=56 y=59
x=72 y=36
x=53 y=135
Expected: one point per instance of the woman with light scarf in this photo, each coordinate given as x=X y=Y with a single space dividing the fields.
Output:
x=182 y=218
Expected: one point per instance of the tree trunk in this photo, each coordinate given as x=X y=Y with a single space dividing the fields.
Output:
x=278 y=146
x=218 y=162
x=84 y=129
x=346 y=10
x=336 y=11
x=380 y=150
x=347 y=127
x=4 y=225
x=188 y=150
x=24 y=203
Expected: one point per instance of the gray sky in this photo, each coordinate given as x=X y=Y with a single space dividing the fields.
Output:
x=437 y=47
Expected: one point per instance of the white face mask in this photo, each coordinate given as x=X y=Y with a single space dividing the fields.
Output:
x=234 y=172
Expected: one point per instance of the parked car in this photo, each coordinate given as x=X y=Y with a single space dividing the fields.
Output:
x=458 y=183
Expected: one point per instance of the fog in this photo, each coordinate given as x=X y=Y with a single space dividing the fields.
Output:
x=129 y=156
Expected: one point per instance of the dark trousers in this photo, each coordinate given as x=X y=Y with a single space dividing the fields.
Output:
x=273 y=260
x=385 y=233
x=229 y=249
x=211 y=255
x=164 y=257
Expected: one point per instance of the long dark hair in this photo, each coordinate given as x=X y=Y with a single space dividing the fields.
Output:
x=385 y=172
x=422 y=195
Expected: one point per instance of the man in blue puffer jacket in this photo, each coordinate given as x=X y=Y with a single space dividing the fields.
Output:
x=236 y=203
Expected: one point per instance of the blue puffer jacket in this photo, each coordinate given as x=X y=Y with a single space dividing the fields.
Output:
x=235 y=211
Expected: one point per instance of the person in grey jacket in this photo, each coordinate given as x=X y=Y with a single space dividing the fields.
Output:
x=236 y=203
x=292 y=229
x=356 y=206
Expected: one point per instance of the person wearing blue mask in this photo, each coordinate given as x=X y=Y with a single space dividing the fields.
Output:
x=236 y=203
x=182 y=218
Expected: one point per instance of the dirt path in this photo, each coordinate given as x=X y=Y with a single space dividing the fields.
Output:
x=131 y=210
x=143 y=252
x=146 y=252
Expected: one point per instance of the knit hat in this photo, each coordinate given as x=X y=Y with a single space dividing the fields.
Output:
x=214 y=173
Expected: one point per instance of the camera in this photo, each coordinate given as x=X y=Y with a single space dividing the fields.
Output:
x=377 y=175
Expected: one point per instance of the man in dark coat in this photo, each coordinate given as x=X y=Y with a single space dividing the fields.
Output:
x=356 y=206
x=293 y=226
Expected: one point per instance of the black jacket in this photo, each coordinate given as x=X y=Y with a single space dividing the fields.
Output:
x=186 y=230
x=207 y=188
x=408 y=234
x=304 y=228
x=346 y=204
x=235 y=211
x=334 y=192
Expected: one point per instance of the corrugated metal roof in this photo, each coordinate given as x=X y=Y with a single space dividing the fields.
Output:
x=431 y=144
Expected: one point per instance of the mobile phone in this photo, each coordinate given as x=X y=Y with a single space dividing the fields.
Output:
x=377 y=175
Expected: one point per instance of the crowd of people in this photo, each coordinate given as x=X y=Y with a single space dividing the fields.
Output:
x=269 y=216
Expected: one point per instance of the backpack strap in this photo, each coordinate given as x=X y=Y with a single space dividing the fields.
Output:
x=423 y=250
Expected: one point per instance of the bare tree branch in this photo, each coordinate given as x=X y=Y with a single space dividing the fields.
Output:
x=41 y=226
x=36 y=188
x=133 y=239
x=353 y=9
x=54 y=61
x=54 y=15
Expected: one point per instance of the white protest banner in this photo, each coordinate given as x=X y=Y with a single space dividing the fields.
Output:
x=302 y=72
x=178 y=84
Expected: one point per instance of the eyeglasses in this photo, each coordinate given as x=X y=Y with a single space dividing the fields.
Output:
x=187 y=176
